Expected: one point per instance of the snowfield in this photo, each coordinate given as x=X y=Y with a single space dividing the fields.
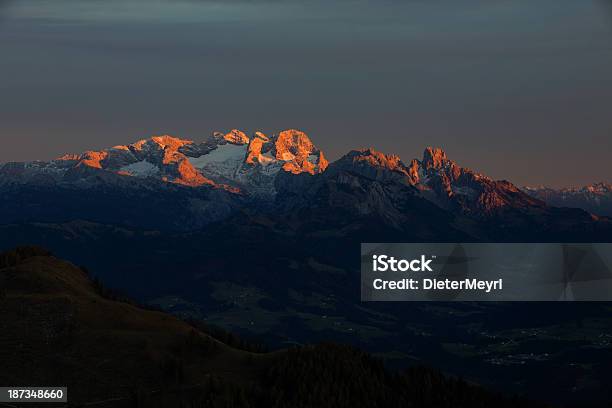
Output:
x=141 y=169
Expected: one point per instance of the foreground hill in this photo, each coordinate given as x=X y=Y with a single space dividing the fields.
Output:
x=58 y=329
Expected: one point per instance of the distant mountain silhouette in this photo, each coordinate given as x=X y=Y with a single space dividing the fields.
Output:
x=594 y=198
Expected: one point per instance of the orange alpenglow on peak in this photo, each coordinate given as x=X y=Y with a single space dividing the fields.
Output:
x=171 y=142
x=297 y=150
x=163 y=141
x=236 y=137
x=291 y=149
x=254 y=151
x=262 y=136
x=292 y=143
x=376 y=165
x=93 y=159
x=121 y=147
x=189 y=176
x=374 y=159
x=434 y=158
x=69 y=157
x=377 y=158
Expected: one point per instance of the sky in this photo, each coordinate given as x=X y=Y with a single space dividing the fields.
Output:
x=516 y=89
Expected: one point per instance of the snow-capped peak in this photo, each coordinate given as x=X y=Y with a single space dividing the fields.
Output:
x=230 y=160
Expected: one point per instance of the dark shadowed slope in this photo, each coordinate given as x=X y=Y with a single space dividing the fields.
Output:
x=57 y=329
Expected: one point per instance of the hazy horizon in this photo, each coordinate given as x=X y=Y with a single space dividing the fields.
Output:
x=515 y=90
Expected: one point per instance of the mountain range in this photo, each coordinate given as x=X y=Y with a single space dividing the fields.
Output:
x=188 y=185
